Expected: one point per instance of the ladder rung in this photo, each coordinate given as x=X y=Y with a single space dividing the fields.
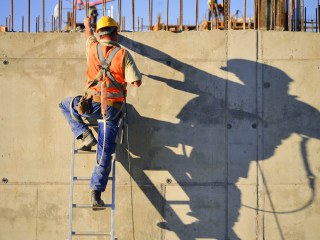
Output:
x=86 y=178
x=85 y=152
x=89 y=206
x=92 y=233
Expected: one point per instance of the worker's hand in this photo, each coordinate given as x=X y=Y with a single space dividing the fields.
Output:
x=137 y=83
x=86 y=22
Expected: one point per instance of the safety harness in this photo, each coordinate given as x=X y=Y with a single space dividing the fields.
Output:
x=104 y=70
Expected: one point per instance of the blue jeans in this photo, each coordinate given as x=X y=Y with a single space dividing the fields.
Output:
x=99 y=178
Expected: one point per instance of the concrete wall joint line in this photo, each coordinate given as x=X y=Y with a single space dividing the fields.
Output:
x=226 y=138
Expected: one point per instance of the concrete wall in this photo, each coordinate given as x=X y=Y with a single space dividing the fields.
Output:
x=224 y=137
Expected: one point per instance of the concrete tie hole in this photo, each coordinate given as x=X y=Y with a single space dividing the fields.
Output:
x=4 y=180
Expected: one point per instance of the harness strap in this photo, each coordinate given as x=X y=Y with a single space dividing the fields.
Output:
x=105 y=66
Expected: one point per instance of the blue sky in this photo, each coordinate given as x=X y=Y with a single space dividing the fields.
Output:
x=20 y=8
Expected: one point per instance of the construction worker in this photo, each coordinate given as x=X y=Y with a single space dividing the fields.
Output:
x=124 y=70
x=93 y=13
x=216 y=8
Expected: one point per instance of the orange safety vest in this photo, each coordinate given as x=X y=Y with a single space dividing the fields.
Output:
x=116 y=69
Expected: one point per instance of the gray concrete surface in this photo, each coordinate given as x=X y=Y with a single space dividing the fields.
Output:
x=224 y=137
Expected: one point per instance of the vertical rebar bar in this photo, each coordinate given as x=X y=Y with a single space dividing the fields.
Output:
x=259 y=13
x=254 y=14
x=302 y=15
x=28 y=15
x=316 y=19
x=167 y=15
x=197 y=15
x=59 y=29
x=132 y=15
x=11 y=15
x=54 y=24
x=274 y=14
x=181 y=18
x=7 y=22
x=305 y=19
x=211 y=15
x=124 y=23
x=22 y=23
x=38 y=23
x=73 y=23
x=9 y=29
x=61 y=17
x=43 y=16
x=151 y=12
x=138 y=24
x=75 y=14
x=318 y=16
x=103 y=7
x=244 y=15
x=51 y=23
x=141 y=24
x=119 y=17
x=149 y=15
x=87 y=9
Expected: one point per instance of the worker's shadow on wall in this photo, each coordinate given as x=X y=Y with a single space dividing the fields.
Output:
x=210 y=131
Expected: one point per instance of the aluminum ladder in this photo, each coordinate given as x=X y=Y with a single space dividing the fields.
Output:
x=72 y=205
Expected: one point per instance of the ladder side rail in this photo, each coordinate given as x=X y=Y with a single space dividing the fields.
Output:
x=71 y=187
x=113 y=195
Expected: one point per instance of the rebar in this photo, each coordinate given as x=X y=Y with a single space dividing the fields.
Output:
x=181 y=17
x=103 y=8
x=43 y=16
x=211 y=15
x=259 y=9
x=59 y=26
x=73 y=20
x=28 y=15
x=305 y=17
x=244 y=15
x=274 y=14
x=149 y=15
x=87 y=9
x=12 y=15
x=9 y=22
x=22 y=23
x=61 y=16
x=197 y=15
x=132 y=15
x=317 y=20
x=119 y=14
x=138 y=24
x=167 y=15
x=151 y=11
x=141 y=24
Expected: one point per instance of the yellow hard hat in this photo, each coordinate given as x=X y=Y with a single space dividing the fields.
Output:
x=104 y=22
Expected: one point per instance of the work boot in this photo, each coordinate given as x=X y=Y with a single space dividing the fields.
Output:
x=96 y=200
x=88 y=140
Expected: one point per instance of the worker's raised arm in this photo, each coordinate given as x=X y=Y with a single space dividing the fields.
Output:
x=87 y=25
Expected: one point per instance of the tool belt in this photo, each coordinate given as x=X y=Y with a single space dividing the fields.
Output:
x=97 y=98
x=83 y=106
